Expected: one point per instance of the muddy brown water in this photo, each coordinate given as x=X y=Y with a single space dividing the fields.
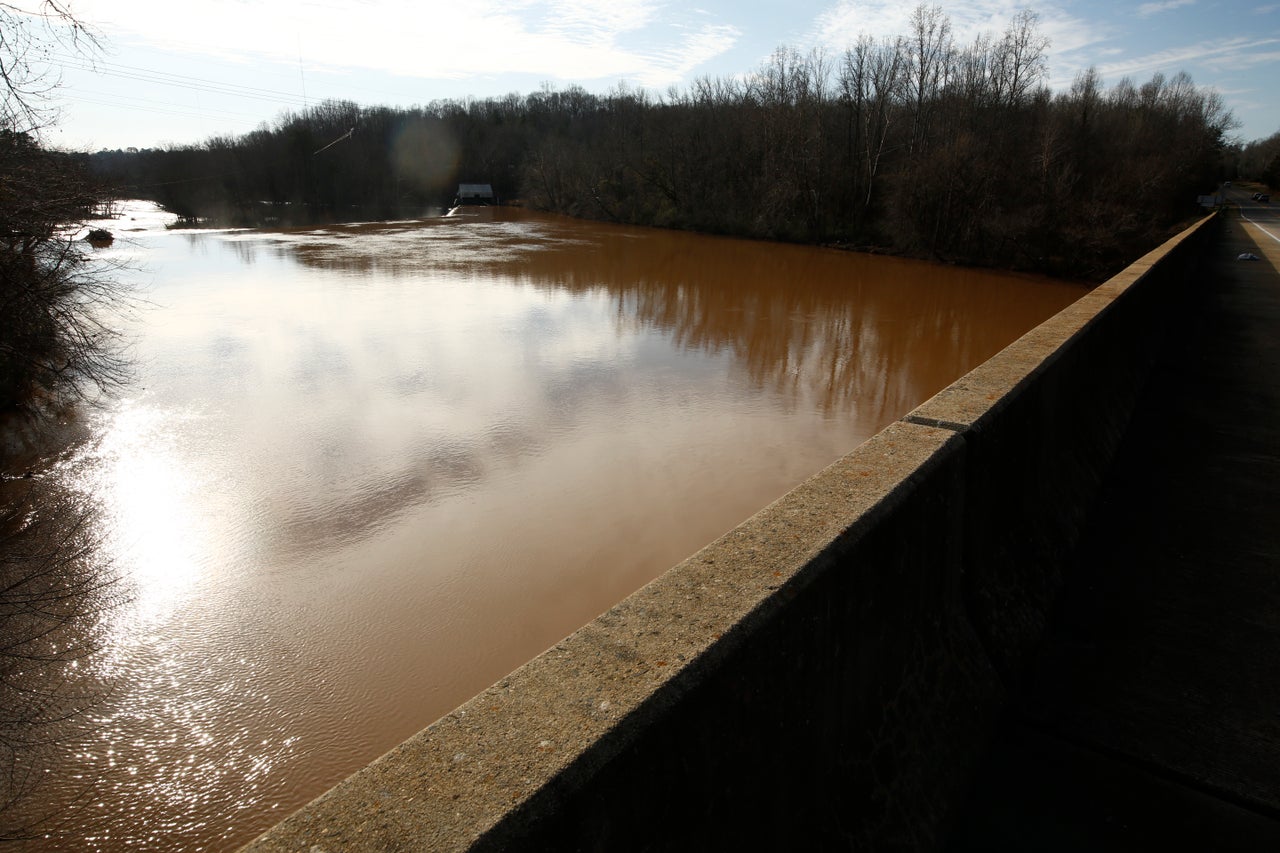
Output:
x=364 y=471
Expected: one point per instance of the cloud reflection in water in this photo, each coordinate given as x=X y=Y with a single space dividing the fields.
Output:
x=369 y=469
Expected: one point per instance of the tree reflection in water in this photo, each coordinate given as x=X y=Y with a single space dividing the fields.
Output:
x=865 y=335
x=54 y=591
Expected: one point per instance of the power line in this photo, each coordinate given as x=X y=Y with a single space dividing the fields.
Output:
x=181 y=81
x=111 y=99
x=302 y=73
x=185 y=80
x=94 y=65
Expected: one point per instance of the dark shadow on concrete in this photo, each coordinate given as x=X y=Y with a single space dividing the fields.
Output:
x=1151 y=719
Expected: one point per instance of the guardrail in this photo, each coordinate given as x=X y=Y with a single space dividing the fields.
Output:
x=829 y=672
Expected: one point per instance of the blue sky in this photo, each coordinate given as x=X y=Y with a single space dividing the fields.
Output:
x=180 y=72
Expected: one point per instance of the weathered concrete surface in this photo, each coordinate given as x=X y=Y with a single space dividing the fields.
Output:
x=1152 y=718
x=815 y=679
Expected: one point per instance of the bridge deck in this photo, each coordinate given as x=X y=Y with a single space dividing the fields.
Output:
x=1152 y=718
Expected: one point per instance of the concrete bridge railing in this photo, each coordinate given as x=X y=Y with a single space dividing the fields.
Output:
x=826 y=674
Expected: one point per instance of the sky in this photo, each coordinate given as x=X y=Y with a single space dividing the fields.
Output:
x=181 y=72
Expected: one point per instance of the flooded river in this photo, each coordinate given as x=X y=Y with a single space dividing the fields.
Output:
x=364 y=471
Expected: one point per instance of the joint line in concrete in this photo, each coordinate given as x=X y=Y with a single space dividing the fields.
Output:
x=934 y=422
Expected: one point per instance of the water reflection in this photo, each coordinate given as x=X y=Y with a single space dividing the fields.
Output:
x=150 y=520
x=55 y=590
x=367 y=470
x=790 y=315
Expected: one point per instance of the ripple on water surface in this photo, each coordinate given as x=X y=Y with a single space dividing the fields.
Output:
x=366 y=470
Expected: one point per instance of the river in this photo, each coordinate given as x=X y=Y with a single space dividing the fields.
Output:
x=363 y=471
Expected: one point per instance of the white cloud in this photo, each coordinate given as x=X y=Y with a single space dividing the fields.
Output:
x=840 y=25
x=565 y=39
x=1218 y=54
x=1243 y=61
x=695 y=48
x=1146 y=10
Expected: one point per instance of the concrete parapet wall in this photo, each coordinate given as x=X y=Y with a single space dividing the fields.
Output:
x=1041 y=421
x=827 y=673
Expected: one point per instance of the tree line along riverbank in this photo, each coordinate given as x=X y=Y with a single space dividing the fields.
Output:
x=915 y=145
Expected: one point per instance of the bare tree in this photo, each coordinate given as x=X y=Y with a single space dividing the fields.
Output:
x=30 y=37
x=888 y=77
x=931 y=52
x=1019 y=59
x=58 y=343
x=58 y=340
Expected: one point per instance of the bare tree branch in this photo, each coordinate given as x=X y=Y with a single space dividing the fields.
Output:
x=30 y=37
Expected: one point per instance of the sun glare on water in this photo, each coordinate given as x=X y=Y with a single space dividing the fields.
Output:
x=150 y=532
